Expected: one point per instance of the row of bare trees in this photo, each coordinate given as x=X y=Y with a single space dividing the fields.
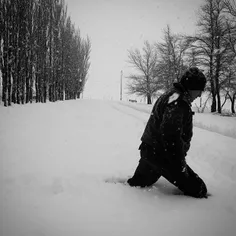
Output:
x=212 y=48
x=42 y=55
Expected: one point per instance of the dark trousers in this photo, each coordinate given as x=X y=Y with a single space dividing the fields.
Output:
x=148 y=172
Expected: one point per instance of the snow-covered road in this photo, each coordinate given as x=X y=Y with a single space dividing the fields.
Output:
x=55 y=158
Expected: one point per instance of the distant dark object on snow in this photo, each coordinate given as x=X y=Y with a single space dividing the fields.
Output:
x=132 y=100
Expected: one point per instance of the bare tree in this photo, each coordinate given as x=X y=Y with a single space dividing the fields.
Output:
x=171 y=57
x=40 y=50
x=229 y=84
x=230 y=6
x=205 y=44
x=84 y=64
x=144 y=82
x=212 y=47
x=192 y=57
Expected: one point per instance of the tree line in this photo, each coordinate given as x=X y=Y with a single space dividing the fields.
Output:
x=212 y=48
x=42 y=54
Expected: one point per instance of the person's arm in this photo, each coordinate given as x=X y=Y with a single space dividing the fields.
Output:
x=171 y=129
x=188 y=131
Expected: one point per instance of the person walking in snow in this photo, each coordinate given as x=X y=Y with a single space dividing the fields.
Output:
x=166 y=138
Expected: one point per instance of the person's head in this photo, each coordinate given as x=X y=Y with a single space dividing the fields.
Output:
x=194 y=81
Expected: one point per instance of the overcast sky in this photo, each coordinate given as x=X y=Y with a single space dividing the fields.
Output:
x=115 y=26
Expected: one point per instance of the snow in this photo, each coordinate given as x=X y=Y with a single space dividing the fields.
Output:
x=173 y=98
x=56 y=158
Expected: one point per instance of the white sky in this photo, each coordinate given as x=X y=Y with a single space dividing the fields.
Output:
x=115 y=26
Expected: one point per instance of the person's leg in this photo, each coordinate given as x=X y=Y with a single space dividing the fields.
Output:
x=144 y=174
x=189 y=183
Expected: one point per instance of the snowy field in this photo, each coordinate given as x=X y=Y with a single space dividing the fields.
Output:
x=55 y=159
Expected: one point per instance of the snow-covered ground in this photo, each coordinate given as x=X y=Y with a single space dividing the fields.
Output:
x=55 y=159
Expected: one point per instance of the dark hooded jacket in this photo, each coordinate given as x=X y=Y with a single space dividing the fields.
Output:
x=169 y=128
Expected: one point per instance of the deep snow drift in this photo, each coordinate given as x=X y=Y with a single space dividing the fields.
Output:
x=56 y=157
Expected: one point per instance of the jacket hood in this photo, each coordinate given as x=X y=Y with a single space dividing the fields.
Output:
x=183 y=92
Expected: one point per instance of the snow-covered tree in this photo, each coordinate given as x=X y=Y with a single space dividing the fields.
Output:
x=40 y=52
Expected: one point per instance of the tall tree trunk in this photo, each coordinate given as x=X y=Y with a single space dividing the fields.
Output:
x=149 y=99
x=5 y=70
x=217 y=87
x=9 y=85
x=212 y=82
x=233 y=103
x=15 y=54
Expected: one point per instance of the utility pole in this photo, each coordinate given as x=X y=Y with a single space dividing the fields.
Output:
x=121 y=74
